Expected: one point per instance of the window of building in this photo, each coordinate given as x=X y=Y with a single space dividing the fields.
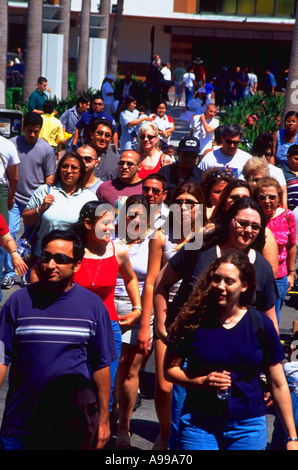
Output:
x=285 y=8
x=279 y=8
x=246 y=7
x=265 y=7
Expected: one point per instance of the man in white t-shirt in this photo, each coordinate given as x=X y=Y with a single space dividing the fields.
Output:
x=203 y=126
x=252 y=81
x=167 y=83
x=229 y=155
x=9 y=169
x=166 y=71
x=189 y=84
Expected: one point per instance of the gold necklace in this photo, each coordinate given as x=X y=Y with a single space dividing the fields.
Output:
x=93 y=279
x=227 y=322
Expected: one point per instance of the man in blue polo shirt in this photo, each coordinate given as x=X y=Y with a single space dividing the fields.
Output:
x=51 y=328
x=95 y=111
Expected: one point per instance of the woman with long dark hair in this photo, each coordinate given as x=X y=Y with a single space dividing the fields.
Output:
x=215 y=352
x=134 y=234
x=187 y=206
x=103 y=260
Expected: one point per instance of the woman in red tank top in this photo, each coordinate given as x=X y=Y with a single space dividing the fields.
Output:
x=152 y=157
x=102 y=261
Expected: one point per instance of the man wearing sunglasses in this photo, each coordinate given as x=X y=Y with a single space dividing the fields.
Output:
x=95 y=111
x=90 y=157
x=154 y=188
x=229 y=155
x=51 y=328
x=127 y=183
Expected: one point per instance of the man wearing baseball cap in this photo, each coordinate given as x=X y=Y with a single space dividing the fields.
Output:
x=185 y=169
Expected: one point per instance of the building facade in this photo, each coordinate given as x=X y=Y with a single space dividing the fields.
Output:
x=254 y=33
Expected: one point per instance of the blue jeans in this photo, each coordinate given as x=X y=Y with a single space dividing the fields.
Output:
x=15 y=215
x=188 y=95
x=114 y=365
x=12 y=443
x=178 y=397
x=2 y=257
x=197 y=432
x=282 y=286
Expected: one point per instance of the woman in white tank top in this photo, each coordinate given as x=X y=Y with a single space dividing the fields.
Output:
x=187 y=204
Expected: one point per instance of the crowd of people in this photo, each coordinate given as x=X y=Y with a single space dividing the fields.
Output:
x=139 y=247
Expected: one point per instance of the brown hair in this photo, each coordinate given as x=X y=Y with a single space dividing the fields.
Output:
x=266 y=183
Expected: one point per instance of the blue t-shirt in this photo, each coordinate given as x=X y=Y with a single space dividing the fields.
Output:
x=86 y=117
x=282 y=148
x=237 y=350
x=44 y=338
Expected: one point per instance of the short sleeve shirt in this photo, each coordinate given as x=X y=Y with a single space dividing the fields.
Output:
x=237 y=350
x=8 y=156
x=45 y=339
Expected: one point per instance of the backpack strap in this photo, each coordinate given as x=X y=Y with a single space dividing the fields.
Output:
x=257 y=321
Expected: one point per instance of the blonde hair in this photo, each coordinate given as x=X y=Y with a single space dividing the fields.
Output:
x=255 y=164
x=145 y=127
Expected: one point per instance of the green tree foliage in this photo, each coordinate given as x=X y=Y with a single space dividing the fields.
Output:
x=256 y=114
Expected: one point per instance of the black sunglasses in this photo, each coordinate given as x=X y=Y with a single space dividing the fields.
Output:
x=271 y=197
x=129 y=164
x=88 y=159
x=102 y=133
x=230 y=142
x=189 y=202
x=244 y=224
x=149 y=137
x=59 y=258
x=156 y=191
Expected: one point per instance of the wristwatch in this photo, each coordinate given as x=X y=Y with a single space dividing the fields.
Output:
x=134 y=307
x=289 y=439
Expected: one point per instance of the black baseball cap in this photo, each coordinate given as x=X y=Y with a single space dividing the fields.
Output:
x=189 y=144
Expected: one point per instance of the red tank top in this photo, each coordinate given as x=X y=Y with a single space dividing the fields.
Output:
x=100 y=276
x=143 y=172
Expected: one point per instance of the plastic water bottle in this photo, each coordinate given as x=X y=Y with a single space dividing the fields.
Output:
x=224 y=394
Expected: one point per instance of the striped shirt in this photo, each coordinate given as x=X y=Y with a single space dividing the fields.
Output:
x=43 y=337
x=292 y=187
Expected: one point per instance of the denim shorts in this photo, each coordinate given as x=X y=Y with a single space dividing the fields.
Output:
x=197 y=432
x=123 y=307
